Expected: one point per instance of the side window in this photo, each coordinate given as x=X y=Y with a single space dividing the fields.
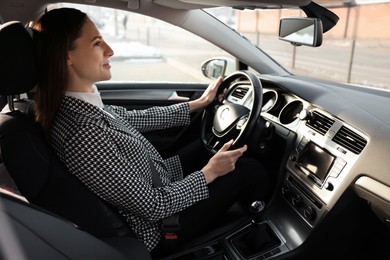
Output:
x=148 y=49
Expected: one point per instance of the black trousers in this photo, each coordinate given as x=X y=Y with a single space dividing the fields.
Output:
x=248 y=182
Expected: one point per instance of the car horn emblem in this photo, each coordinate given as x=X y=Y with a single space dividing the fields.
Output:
x=225 y=114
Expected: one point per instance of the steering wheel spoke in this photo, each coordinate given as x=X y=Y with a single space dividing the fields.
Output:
x=212 y=142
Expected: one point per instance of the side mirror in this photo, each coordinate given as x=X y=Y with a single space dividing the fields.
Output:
x=215 y=67
x=301 y=31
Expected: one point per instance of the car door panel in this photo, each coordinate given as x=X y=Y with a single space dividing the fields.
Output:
x=141 y=95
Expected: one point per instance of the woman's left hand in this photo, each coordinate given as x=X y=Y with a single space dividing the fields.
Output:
x=207 y=97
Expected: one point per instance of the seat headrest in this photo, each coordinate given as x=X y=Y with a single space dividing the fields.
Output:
x=18 y=66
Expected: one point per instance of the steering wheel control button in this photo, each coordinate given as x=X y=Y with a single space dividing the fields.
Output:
x=241 y=122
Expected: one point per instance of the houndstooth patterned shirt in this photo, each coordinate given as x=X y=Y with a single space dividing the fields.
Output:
x=110 y=156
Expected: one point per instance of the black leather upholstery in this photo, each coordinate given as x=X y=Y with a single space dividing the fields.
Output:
x=18 y=67
x=41 y=235
x=37 y=172
x=44 y=181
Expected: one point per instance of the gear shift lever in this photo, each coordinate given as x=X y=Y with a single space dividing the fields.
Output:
x=258 y=237
x=257 y=211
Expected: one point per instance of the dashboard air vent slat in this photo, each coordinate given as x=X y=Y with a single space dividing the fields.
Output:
x=240 y=92
x=319 y=122
x=349 y=140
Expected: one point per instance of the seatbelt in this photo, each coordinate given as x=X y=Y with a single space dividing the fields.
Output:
x=170 y=225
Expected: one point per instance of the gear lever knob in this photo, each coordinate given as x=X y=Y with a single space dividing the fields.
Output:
x=257 y=210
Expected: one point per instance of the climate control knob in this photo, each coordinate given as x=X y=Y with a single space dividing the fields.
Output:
x=309 y=212
x=296 y=200
x=286 y=190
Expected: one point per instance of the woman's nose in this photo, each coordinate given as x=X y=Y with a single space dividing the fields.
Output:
x=109 y=51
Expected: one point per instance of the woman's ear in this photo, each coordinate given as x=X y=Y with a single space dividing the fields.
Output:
x=69 y=60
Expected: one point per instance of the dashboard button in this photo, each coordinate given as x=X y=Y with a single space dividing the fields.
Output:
x=309 y=213
x=296 y=200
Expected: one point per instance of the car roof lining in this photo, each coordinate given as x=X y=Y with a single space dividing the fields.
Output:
x=26 y=10
x=250 y=4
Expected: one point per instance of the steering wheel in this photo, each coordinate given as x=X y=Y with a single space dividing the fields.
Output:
x=236 y=115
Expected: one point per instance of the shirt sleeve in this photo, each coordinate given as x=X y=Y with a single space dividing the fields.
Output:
x=174 y=167
x=155 y=118
x=124 y=178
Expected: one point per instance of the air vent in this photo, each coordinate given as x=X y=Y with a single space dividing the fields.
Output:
x=319 y=122
x=349 y=140
x=240 y=92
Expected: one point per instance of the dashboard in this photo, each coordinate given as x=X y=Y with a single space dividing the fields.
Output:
x=327 y=152
x=329 y=139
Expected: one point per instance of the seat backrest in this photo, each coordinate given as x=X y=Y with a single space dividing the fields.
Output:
x=37 y=172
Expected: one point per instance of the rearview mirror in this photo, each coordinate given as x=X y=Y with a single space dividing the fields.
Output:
x=301 y=31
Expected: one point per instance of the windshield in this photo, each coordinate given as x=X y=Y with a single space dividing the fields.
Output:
x=355 y=51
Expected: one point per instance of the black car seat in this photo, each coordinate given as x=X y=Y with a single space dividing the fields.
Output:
x=35 y=234
x=37 y=172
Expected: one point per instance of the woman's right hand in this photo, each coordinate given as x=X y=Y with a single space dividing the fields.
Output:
x=223 y=162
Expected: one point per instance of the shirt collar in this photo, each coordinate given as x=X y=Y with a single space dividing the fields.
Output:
x=93 y=98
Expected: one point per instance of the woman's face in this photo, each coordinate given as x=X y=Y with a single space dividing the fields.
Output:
x=89 y=61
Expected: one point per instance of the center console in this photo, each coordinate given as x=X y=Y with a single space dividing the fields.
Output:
x=256 y=238
x=322 y=152
x=318 y=165
x=312 y=173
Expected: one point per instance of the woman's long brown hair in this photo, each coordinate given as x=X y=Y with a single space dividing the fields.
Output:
x=55 y=35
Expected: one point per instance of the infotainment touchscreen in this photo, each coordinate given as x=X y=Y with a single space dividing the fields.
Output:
x=316 y=160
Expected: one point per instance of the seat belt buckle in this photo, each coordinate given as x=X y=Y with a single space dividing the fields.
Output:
x=169 y=236
x=169 y=241
x=169 y=230
x=169 y=227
